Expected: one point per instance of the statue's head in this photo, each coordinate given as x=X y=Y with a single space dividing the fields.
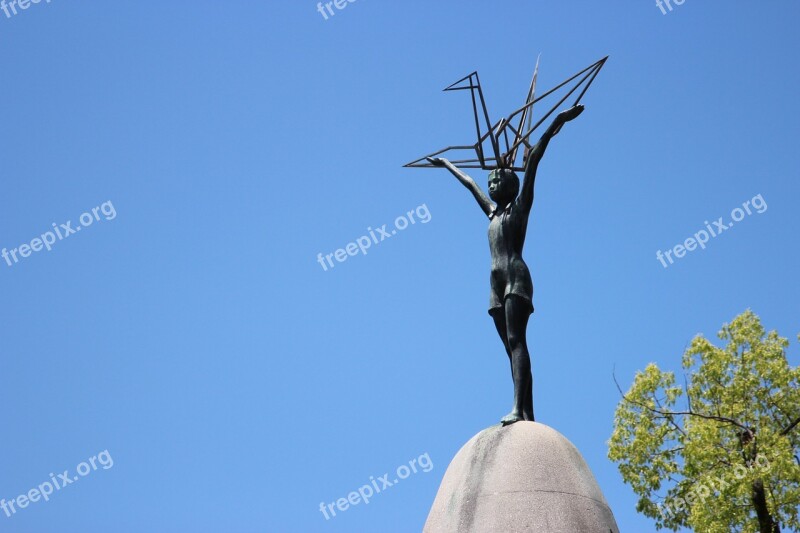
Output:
x=503 y=186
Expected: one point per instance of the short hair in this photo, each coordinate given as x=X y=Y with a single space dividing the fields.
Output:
x=507 y=175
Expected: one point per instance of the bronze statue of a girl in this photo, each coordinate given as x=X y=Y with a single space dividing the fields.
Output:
x=511 y=297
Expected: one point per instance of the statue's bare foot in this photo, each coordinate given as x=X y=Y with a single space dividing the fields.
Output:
x=510 y=418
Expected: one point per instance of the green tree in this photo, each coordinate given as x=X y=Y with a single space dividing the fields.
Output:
x=721 y=452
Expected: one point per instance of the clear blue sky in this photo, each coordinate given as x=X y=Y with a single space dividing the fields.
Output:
x=236 y=383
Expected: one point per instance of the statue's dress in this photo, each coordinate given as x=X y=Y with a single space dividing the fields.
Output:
x=510 y=274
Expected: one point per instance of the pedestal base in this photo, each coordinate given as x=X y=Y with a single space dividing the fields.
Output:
x=525 y=477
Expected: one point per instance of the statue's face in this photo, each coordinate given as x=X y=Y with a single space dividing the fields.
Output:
x=503 y=186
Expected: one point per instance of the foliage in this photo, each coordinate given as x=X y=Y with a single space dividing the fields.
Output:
x=720 y=453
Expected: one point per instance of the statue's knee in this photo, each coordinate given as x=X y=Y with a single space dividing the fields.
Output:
x=516 y=342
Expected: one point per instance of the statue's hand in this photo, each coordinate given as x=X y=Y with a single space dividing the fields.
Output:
x=437 y=161
x=570 y=114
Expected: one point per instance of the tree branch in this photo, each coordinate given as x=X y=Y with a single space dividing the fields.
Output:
x=790 y=427
x=666 y=415
x=686 y=413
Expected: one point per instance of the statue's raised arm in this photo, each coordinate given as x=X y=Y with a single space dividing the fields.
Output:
x=536 y=153
x=483 y=201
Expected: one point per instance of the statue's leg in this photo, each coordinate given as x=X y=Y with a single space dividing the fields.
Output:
x=499 y=317
x=502 y=330
x=517 y=314
x=527 y=412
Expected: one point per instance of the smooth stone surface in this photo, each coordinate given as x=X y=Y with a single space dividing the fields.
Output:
x=525 y=477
